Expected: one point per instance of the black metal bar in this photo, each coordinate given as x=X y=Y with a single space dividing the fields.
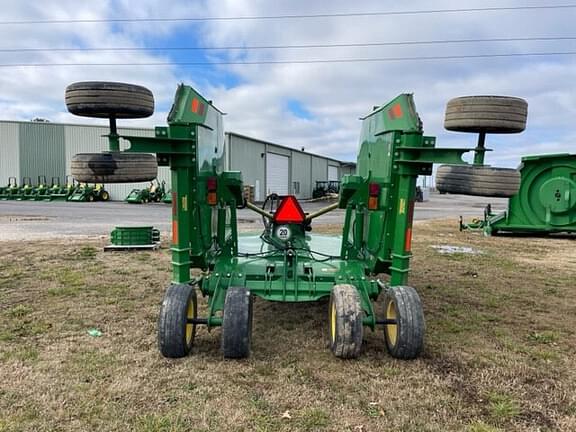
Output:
x=113 y=129
x=386 y=322
x=198 y=321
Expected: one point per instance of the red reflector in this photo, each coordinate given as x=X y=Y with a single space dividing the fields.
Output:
x=374 y=189
x=211 y=184
x=289 y=211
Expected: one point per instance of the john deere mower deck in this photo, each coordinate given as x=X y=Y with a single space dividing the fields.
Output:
x=286 y=262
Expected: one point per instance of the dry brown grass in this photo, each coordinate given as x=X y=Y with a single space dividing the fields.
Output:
x=499 y=355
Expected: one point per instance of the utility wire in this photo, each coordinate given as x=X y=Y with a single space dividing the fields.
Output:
x=282 y=17
x=285 y=62
x=280 y=47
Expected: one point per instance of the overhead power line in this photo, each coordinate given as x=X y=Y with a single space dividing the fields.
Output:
x=288 y=16
x=311 y=61
x=306 y=46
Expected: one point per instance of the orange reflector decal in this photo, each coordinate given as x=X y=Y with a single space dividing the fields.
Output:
x=408 y=240
x=197 y=107
x=289 y=211
x=212 y=198
x=174 y=232
x=373 y=203
x=395 y=112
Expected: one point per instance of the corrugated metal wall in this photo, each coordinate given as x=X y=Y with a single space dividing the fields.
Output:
x=33 y=149
x=248 y=157
x=42 y=151
x=301 y=173
x=9 y=151
x=319 y=170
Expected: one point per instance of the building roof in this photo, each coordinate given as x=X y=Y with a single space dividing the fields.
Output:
x=345 y=163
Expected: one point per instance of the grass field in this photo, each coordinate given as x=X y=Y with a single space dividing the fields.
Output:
x=500 y=351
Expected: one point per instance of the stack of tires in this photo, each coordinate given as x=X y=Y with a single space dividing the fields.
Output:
x=483 y=115
x=111 y=100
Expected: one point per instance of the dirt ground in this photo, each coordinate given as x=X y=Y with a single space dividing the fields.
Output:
x=500 y=350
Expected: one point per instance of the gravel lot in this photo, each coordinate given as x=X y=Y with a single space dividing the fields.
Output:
x=36 y=220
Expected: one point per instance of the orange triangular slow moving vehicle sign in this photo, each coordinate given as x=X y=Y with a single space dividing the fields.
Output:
x=289 y=211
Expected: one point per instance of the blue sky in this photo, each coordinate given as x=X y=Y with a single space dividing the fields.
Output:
x=315 y=106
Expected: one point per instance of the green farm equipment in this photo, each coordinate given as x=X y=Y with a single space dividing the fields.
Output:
x=61 y=192
x=324 y=188
x=42 y=191
x=285 y=263
x=155 y=192
x=85 y=192
x=134 y=238
x=544 y=204
x=7 y=192
x=167 y=197
x=26 y=191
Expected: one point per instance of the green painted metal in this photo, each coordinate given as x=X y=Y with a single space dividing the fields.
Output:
x=134 y=236
x=393 y=152
x=84 y=192
x=10 y=190
x=155 y=192
x=286 y=263
x=26 y=190
x=545 y=202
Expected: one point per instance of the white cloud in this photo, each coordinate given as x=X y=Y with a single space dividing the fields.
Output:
x=335 y=94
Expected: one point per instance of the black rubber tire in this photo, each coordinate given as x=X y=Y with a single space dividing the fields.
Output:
x=489 y=114
x=175 y=335
x=109 y=99
x=405 y=339
x=117 y=167
x=478 y=180
x=237 y=323
x=345 y=317
x=105 y=196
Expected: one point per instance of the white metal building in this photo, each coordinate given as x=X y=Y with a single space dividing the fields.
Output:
x=32 y=149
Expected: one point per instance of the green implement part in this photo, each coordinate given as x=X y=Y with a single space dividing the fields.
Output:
x=26 y=191
x=155 y=192
x=285 y=262
x=85 y=192
x=42 y=191
x=7 y=192
x=134 y=238
x=545 y=202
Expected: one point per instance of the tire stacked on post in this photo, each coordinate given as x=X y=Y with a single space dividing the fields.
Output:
x=482 y=115
x=111 y=100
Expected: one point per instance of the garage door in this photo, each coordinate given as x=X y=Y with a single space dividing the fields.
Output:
x=277 y=174
x=333 y=173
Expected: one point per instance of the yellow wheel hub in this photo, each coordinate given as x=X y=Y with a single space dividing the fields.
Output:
x=333 y=322
x=391 y=329
x=190 y=327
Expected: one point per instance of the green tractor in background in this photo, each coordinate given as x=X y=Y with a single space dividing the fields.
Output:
x=42 y=190
x=10 y=190
x=85 y=192
x=285 y=263
x=155 y=192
